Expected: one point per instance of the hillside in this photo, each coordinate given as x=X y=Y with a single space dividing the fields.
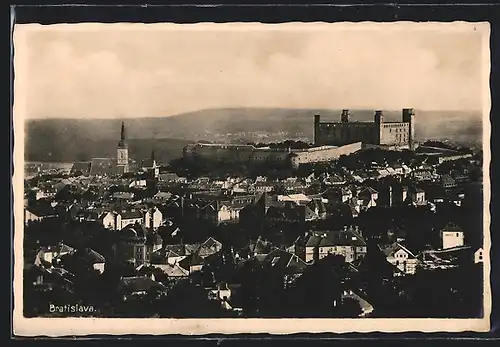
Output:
x=81 y=139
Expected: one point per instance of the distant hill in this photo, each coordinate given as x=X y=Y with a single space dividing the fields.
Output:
x=66 y=150
x=82 y=139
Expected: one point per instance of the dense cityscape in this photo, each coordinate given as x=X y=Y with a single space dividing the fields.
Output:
x=364 y=221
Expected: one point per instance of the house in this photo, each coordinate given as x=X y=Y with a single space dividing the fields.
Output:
x=168 y=265
x=401 y=257
x=169 y=177
x=347 y=242
x=422 y=174
x=130 y=245
x=255 y=248
x=97 y=260
x=192 y=263
x=123 y=196
x=291 y=213
x=334 y=180
x=398 y=169
x=153 y=218
x=367 y=197
x=209 y=247
x=49 y=254
x=354 y=207
x=118 y=220
x=173 y=254
x=382 y=173
x=261 y=187
x=391 y=171
x=129 y=218
x=222 y=292
x=452 y=236
x=139 y=286
x=154 y=242
x=288 y=263
x=406 y=169
x=229 y=212
x=162 y=196
x=38 y=213
x=166 y=256
x=417 y=196
x=318 y=207
x=53 y=277
x=447 y=181
x=92 y=257
x=108 y=220
x=478 y=256
x=296 y=198
x=140 y=183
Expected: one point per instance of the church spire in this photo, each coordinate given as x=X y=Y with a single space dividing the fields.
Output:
x=122 y=143
x=122 y=137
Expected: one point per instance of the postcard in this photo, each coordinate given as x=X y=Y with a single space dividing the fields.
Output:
x=251 y=178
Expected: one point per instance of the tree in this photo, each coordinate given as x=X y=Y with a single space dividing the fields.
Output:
x=348 y=308
x=187 y=300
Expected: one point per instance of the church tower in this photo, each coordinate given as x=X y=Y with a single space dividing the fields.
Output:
x=122 y=153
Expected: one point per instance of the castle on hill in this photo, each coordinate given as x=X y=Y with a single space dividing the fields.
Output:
x=396 y=135
x=331 y=140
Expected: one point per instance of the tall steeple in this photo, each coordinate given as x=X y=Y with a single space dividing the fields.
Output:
x=154 y=167
x=122 y=152
x=123 y=140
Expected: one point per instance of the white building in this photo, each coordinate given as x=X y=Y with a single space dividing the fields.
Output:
x=401 y=257
x=478 y=256
x=452 y=236
x=153 y=218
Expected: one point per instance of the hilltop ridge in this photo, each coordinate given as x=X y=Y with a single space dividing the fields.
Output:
x=81 y=139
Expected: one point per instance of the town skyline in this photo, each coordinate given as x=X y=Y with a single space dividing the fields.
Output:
x=79 y=72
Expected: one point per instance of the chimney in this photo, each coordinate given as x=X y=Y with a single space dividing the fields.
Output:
x=379 y=117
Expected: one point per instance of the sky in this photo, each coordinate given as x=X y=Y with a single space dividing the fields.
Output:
x=117 y=71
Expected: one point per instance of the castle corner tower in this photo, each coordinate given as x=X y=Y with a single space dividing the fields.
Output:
x=122 y=161
x=409 y=117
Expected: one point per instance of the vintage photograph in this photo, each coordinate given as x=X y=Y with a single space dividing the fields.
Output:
x=335 y=172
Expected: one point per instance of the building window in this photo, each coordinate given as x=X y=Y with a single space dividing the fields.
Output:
x=457 y=234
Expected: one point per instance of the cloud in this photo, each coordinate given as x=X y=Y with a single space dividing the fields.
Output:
x=128 y=74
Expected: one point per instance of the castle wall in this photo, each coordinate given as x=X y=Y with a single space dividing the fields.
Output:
x=322 y=154
x=242 y=154
x=260 y=155
x=339 y=134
